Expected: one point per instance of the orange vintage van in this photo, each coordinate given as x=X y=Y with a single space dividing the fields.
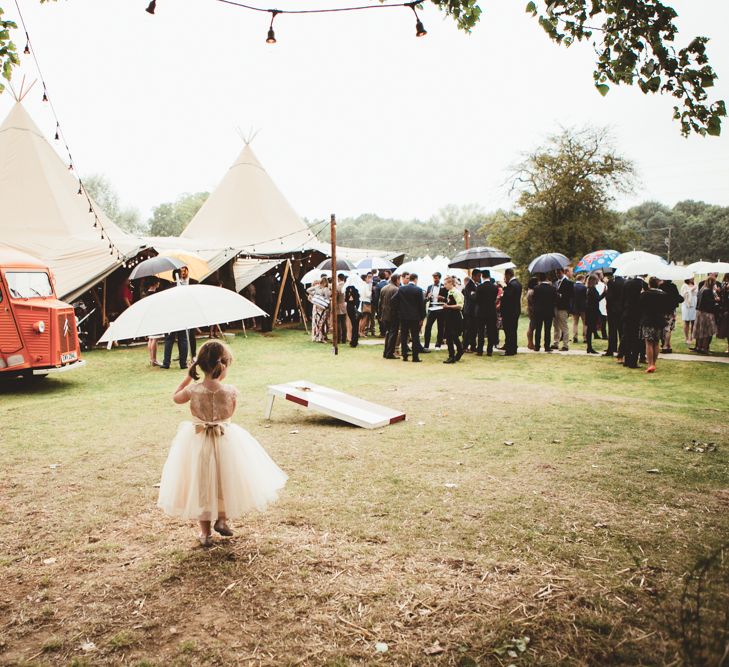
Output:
x=37 y=331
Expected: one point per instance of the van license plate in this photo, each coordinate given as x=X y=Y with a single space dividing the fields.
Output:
x=68 y=356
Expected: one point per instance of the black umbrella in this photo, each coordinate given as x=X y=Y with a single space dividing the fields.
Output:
x=342 y=265
x=549 y=261
x=155 y=265
x=475 y=258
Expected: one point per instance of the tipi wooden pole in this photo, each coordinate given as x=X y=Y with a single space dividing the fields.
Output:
x=280 y=294
x=104 y=318
x=335 y=286
x=297 y=297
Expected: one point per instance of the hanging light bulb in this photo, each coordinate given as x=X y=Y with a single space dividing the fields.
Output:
x=96 y=222
x=45 y=96
x=56 y=137
x=80 y=190
x=70 y=166
x=26 y=50
x=91 y=208
x=420 y=30
x=151 y=7
x=271 y=38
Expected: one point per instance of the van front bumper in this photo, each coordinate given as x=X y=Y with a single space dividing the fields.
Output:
x=60 y=369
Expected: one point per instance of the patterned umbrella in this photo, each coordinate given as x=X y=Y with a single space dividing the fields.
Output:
x=600 y=259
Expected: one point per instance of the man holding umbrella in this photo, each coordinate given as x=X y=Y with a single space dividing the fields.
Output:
x=185 y=338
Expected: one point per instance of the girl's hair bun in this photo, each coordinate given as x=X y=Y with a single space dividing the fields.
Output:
x=213 y=358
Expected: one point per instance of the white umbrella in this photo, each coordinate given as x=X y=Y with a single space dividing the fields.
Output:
x=672 y=272
x=653 y=266
x=632 y=256
x=180 y=308
x=702 y=267
x=504 y=266
x=310 y=276
x=376 y=264
x=426 y=266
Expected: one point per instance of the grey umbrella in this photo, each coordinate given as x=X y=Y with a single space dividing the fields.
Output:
x=549 y=261
x=342 y=265
x=475 y=258
x=155 y=265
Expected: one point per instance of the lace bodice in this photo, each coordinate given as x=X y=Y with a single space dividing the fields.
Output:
x=212 y=406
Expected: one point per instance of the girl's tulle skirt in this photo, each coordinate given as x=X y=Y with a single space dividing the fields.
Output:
x=217 y=469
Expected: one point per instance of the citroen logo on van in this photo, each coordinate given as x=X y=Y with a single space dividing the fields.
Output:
x=65 y=328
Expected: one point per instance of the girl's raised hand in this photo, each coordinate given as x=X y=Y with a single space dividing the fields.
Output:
x=181 y=395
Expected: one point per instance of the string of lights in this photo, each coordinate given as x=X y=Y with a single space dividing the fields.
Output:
x=420 y=30
x=60 y=136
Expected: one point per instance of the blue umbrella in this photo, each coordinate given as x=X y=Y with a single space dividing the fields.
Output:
x=598 y=260
x=549 y=261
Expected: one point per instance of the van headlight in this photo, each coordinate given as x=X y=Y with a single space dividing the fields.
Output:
x=39 y=327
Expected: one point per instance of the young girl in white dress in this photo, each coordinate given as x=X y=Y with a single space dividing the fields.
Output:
x=215 y=470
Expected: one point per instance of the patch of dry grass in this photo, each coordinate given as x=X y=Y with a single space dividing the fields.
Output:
x=563 y=537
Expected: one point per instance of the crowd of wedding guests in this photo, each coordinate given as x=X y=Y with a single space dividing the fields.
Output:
x=637 y=316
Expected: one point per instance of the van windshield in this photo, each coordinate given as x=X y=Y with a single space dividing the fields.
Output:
x=28 y=284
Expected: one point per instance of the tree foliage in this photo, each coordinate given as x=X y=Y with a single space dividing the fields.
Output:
x=170 y=219
x=565 y=189
x=633 y=42
x=442 y=234
x=103 y=193
x=697 y=230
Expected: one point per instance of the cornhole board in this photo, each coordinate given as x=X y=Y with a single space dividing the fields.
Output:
x=334 y=403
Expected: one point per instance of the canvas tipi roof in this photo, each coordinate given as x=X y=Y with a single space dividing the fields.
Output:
x=43 y=215
x=248 y=212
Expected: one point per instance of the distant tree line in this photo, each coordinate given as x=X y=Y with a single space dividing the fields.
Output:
x=697 y=231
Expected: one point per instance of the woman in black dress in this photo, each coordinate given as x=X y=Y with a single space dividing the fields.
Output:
x=655 y=305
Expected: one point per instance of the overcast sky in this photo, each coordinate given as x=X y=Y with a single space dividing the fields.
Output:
x=354 y=114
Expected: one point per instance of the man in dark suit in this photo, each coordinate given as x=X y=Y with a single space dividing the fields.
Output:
x=544 y=301
x=632 y=289
x=510 y=311
x=614 y=305
x=561 y=311
x=485 y=298
x=389 y=322
x=376 y=291
x=410 y=304
x=265 y=299
x=434 y=295
x=469 y=310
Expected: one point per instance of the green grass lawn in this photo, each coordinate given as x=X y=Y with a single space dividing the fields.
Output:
x=433 y=537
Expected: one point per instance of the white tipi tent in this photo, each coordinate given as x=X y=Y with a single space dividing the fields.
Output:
x=43 y=215
x=249 y=213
